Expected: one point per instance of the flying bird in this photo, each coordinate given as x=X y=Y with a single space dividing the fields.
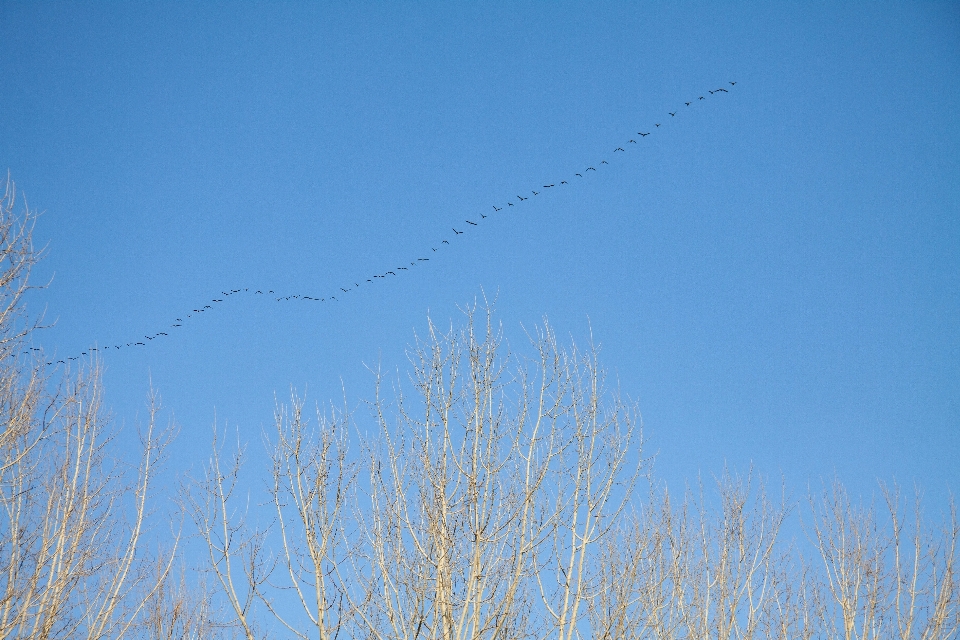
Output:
x=455 y=231
x=547 y=186
x=657 y=124
x=468 y=222
x=633 y=141
x=603 y=162
x=391 y=272
x=509 y=204
x=701 y=97
x=732 y=83
x=688 y=103
x=536 y=193
x=590 y=169
x=483 y=216
x=564 y=182
x=522 y=198
x=618 y=149
x=672 y=113
x=444 y=242
x=643 y=134
x=496 y=209
x=579 y=175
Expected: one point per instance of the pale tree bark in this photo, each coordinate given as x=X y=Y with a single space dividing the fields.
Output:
x=599 y=459
x=456 y=508
x=74 y=524
x=235 y=552
x=890 y=576
x=72 y=517
x=312 y=488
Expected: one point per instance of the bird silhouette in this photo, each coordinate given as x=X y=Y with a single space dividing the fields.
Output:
x=424 y=259
x=179 y=322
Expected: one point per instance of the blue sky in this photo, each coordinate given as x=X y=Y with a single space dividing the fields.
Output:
x=773 y=274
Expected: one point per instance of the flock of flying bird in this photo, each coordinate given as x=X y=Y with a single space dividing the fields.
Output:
x=392 y=273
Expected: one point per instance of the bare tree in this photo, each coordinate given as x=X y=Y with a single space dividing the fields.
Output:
x=180 y=609
x=487 y=494
x=886 y=577
x=926 y=598
x=235 y=552
x=312 y=488
x=73 y=517
x=74 y=521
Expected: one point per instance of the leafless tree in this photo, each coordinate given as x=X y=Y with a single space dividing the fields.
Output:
x=73 y=516
x=235 y=552
x=487 y=494
x=885 y=577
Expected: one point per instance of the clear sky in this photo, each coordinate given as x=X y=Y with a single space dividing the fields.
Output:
x=773 y=274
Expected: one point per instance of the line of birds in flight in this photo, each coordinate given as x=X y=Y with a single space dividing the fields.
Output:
x=342 y=291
